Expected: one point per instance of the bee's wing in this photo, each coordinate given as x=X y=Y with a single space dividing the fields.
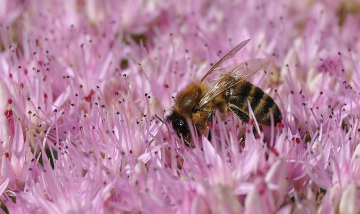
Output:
x=239 y=73
x=217 y=67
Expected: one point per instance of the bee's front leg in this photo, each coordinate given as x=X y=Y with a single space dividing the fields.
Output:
x=188 y=144
x=210 y=123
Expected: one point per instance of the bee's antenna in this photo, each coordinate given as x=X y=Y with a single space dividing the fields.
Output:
x=159 y=118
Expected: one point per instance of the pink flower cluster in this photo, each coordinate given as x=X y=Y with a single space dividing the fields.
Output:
x=81 y=82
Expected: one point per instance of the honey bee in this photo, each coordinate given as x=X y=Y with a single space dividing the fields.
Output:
x=227 y=90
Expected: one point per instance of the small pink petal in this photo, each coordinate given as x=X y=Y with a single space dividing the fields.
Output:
x=355 y=160
x=199 y=205
x=3 y=186
x=276 y=177
x=18 y=142
x=211 y=157
x=254 y=203
x=5 y=133
x=349 y=200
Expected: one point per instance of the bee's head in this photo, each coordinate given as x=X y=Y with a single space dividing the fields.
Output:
x=179 y=124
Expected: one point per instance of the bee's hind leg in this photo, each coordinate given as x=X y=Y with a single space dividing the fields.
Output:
x=242 y=116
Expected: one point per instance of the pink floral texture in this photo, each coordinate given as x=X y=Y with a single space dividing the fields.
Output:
x=81 y=82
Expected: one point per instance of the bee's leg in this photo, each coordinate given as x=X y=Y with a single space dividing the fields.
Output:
x=242 y=116
x=209 y=122
x=254 y=130
x=188 y=144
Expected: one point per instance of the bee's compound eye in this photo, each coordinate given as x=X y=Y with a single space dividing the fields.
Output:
x=181 y=123
x=182 y=126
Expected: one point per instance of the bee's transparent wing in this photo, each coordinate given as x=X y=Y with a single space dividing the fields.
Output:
x=217 y=69
x=239 y=73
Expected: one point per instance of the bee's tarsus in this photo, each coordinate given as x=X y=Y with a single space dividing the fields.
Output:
x=209 y=136
x=187 y=143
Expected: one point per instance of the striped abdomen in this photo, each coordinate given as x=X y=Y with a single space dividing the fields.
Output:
x=261 y=103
